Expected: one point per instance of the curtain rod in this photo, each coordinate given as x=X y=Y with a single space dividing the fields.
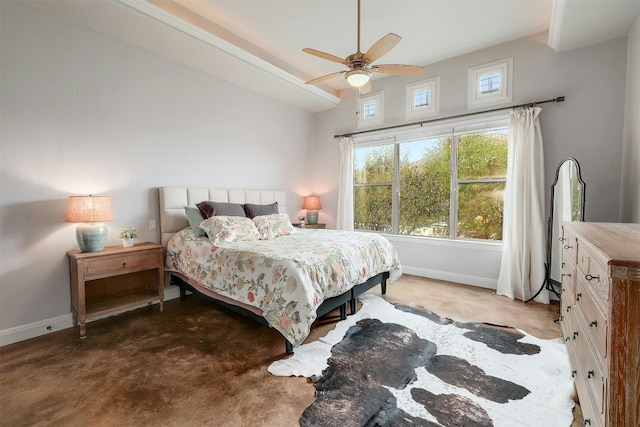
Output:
x=529 y=104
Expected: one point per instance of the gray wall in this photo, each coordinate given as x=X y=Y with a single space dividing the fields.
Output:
x=588 y=126
x=630 y=192
x=83 y=112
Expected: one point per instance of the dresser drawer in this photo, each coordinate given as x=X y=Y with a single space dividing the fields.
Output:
x=593 y=270
x=94 y=268
x=568 y=280
x=590 y=376
x=595 y=322
x=569 y=247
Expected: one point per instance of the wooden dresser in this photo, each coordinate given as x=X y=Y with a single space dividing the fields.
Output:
x=600 y=319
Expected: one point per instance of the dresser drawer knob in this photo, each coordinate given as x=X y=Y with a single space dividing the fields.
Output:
x=594 y=323
x=591 y=374
x=579 y=296
x=590 y=277
x=124 y=265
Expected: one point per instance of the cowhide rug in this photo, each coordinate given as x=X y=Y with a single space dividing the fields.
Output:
x=399 y=366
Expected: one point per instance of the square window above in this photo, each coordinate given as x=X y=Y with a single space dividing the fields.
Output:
x=371 y=110
x=423 y=98
x=490 y=83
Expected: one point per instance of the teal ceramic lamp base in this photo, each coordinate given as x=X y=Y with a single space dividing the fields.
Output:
x=91 y=237
x=312 y=217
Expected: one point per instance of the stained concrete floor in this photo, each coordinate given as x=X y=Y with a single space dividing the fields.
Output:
x=200 y=365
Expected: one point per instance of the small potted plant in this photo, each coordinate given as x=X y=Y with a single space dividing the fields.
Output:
x=128 y=235
x=301 y=218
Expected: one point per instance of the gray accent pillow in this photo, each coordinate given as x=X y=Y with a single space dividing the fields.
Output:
x=209 y=209
x=195 y=218
x=258 y=210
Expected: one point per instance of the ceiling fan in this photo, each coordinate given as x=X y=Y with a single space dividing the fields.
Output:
x=360 y=65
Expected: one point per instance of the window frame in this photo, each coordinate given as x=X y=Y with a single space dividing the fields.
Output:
x=503 y=67
x=378 y=98
x=454 y=128
x=432 y=86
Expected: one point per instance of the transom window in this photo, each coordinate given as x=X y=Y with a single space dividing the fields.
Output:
x=422 y=98
x=490 y=83
x=371 y=110
x=433 y=184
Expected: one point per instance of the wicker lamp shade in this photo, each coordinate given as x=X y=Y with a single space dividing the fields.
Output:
x=91 y=212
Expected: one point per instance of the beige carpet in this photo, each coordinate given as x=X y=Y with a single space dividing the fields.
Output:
x=197 y=364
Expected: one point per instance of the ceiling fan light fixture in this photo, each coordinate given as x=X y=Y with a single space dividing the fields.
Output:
x=358 y=78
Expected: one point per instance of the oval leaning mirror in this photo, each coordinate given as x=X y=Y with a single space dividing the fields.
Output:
x=567 y=204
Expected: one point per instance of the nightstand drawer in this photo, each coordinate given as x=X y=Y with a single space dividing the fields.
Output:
x=119 y=264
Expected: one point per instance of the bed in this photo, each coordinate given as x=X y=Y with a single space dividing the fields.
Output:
x=283 y=277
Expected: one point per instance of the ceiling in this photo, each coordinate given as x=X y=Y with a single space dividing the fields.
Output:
x=258 y=44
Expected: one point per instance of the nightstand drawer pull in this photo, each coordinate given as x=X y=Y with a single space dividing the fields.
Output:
x=124 y=265
x=591 y=374
x=575 y=335
x=587 y=422
x=594 y=323
x=568 y=246
x=579 y=296
x=589 y=277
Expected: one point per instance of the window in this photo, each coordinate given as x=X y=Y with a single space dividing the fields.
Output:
x=422 y=98
x=490 y=83
x=371 y=110
x=434 y=183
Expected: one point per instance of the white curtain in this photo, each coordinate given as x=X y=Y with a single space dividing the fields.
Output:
x=522 y=270
x=345 y=185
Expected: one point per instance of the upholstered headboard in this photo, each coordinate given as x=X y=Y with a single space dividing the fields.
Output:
x=174 y=199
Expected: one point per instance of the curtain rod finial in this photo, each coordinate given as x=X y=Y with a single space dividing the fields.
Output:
x=560 y=99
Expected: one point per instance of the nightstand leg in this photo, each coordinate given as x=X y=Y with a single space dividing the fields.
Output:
x=83 y=329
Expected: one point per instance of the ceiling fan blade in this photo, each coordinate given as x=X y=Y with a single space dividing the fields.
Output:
x=382 y=46
x=323 y=78
x=406 y=70
x=324 y=55
x=365 y=89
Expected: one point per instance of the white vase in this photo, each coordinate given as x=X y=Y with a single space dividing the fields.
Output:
x=127 y=243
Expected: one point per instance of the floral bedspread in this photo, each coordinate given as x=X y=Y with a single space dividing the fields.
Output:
x=287 y=277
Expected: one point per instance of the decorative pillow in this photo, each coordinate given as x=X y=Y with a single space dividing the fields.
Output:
x=227 y=229
x=274 y=225
x=195 y=218
x=209 y=209
x=257 y=210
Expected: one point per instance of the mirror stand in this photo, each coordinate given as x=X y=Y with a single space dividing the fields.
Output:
x=567 y=204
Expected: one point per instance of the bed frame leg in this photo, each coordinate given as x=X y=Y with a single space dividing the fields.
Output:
x=383 y=285
x=183 y=292
x=288 y=347
x=352 y=306
x=343 y=311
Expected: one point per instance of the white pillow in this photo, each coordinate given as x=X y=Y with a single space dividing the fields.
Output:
x=226 y=229
x=274 y=225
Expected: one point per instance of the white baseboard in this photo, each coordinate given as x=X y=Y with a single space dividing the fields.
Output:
x=43 y=327
x=482 y=282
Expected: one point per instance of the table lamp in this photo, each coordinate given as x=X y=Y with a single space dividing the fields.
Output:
x=90 y=212
x=312 y=204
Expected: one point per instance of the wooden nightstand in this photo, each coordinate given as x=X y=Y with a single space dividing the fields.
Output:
x=115 y=279
x=314 y=226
